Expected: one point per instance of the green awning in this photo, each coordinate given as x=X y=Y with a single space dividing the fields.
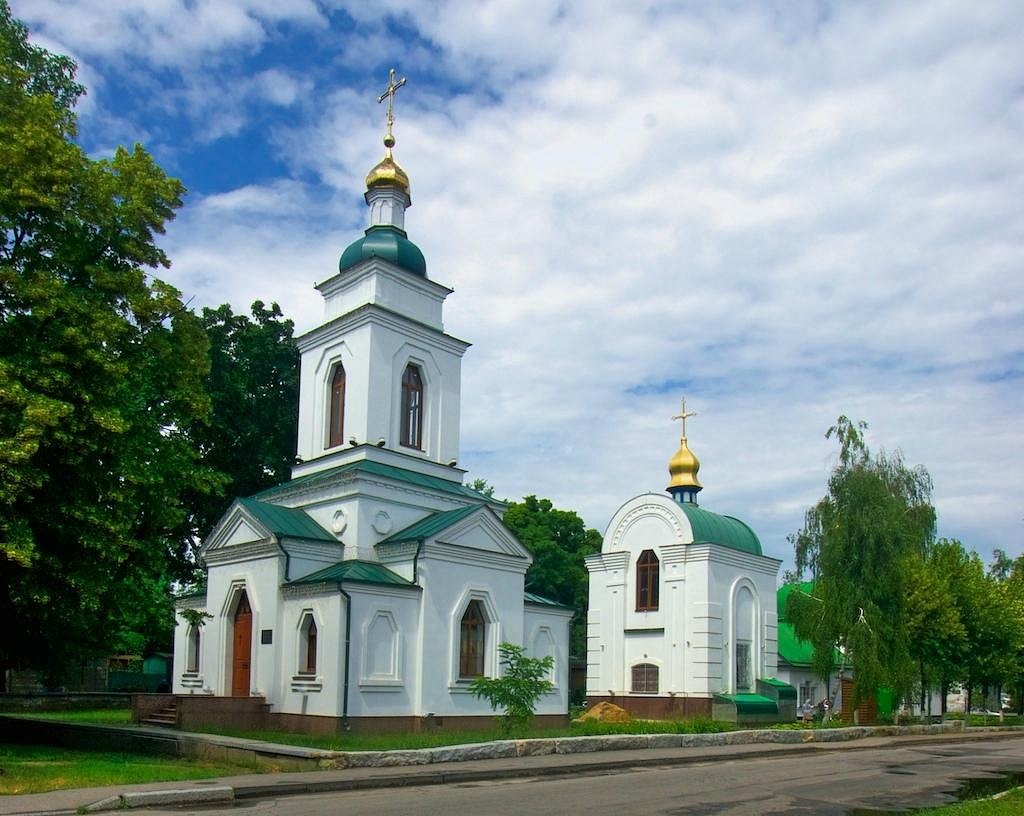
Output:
x=749 y=703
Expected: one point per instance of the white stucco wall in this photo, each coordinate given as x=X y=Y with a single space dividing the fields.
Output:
x=691 y=636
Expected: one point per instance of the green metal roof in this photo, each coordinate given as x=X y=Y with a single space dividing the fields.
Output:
x=783 y=689
x=355 y=571
x=712 y=528
x=782 y=596
x=530 y=597
x=378 y=469
x=794 y=651
x=388 y=243
x=290 y=522
x=750 y=703
x=432 y=524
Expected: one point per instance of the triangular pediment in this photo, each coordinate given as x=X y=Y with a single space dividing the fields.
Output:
x=483 y=531
x=236 y=527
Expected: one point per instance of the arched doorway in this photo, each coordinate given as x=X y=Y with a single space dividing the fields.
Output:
x=241 y=655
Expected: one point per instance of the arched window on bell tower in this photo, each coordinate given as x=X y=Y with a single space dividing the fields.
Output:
x=412 y=407
x=336 y=414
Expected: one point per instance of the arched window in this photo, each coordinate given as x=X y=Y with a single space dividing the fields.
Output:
x=743 y=638
x=472 y=637
x=647 y=582
x=307 y=645
x=645 y=679
x=412 y=407
x=192 y=658
x=336 y=419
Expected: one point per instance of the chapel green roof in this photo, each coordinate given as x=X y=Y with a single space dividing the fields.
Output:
x=711 y=528
x=355 y=571
x=431 y=525
x=379 y=469
x=388 y=243
x=287 y=522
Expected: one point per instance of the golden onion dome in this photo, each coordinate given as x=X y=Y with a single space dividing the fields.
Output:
x=683 y=467
x=387 y=171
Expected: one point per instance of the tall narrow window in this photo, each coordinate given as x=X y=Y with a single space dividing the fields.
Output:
x=473 y=636
x=192 y=661
x=645 y=679
x=336 y=421
x=412 y=407
x=742 y=666
x=647 y=582
x=307 y=645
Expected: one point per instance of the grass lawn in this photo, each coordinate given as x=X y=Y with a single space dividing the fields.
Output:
x=1010 y=804
x=441 y=737
x=36 y=769
x=100 y=716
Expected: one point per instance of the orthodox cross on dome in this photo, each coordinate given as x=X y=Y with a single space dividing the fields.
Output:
x=683 y=414
x=389 y=94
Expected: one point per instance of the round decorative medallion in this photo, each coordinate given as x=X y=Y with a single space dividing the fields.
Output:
x=340 y=522
x=382 y=523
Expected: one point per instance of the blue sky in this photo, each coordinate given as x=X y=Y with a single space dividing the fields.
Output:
x=788 y=211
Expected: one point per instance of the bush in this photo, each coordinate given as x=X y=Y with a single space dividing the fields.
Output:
x=517 y=689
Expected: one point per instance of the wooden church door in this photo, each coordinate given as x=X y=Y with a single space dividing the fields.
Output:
x=242 y=652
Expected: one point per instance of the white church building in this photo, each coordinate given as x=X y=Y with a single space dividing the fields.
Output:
x=372 y=588
x=682 y=618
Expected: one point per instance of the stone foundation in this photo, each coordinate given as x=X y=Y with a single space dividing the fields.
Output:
x=657 y=707
x=199 y=711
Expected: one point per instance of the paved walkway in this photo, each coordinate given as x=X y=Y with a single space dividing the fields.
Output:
x=270 y=785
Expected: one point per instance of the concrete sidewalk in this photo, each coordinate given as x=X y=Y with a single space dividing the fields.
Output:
x=271 y=785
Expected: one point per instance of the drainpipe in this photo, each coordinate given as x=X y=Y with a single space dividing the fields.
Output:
x=348 y=652
x=416 y=563
x=287 y=561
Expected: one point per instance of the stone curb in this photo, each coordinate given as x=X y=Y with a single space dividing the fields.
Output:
x=185 y=796
x=506 y=749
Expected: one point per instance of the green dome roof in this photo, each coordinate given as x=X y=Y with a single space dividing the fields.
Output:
x=388 y=243
x=711 y=528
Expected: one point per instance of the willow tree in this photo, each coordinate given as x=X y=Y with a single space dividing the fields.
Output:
x=859 y=544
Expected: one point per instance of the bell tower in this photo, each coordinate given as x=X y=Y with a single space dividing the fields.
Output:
x=380 y=371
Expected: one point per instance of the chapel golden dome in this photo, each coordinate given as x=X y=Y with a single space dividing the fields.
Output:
x=683 y=467
x=388 y=171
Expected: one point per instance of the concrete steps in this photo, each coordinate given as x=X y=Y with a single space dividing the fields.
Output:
x=166 y=717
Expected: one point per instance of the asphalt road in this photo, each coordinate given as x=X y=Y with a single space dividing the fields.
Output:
x=820 y=782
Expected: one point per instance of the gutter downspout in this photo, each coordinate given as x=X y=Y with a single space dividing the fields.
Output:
x=416 y=563
x=287 y=560
x=348 y=652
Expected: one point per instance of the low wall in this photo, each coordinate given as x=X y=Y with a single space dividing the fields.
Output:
x=27 y=731
x=199 y=711
x=63 y=700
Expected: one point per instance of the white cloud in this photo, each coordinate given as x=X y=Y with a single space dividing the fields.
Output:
x=787 y=216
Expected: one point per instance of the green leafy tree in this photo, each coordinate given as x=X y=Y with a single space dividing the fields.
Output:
x=558 y=541
x=253 y=383
x=101 y=367
x=993 y=627
x=858 y=544
x=935 y=629
x=522 y=682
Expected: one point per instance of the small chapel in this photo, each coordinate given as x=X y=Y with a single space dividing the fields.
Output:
x=682 y=619
x=371 y=589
